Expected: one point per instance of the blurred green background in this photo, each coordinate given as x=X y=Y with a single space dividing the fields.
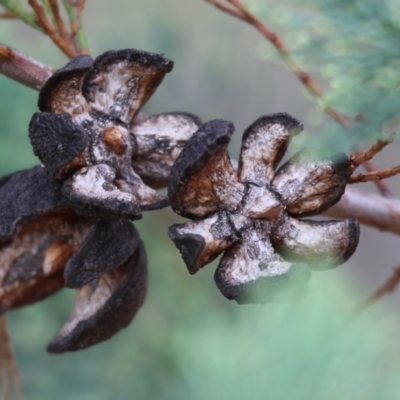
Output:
x=188 y=342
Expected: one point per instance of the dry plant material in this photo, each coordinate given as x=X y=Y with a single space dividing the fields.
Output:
x=45 y=245
x=253 y=214
x=89 y=135
x=238 y=10
x=65 y=223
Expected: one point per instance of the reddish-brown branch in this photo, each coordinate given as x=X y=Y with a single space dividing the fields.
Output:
x=365 y=159
x=240 y=11
x=81 y=39
x=22 y=68
x=370 y=166
x=370 y=153
x=8 y=364
x=375 y=175
x=387 y=288
x=59 y=21
x=227 y=9
x=311 y=85
x=337 y=116
x=74 y=9
x=261 y=27
x=74 y=27
x=45 y=24
x=80 y=4
x=7 y=15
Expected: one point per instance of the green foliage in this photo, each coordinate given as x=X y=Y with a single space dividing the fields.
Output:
x=354 y=45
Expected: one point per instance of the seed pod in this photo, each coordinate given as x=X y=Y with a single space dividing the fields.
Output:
x=89 y=134
x=105 y=307
x=45 y=244
x=246 y=214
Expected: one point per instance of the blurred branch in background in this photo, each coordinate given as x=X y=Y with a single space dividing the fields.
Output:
x=387 y=288
x=22 y=68
x=370 y=209
x=7 y=15
x=238 y=10
x=10 y=378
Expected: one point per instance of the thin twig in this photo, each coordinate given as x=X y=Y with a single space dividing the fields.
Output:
x=8 y=364
x=81 y=37
x=240 y=11
x=44 y=22
x=387 y=288
x=337 y=116
x=227 y=9
x=22 y=68
x=311 y=85
x=365 y=159
x=375 y=175
x=73 y=23
x=74 y=11
x=371 y=152
x=382 y=186
x=53 y=4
